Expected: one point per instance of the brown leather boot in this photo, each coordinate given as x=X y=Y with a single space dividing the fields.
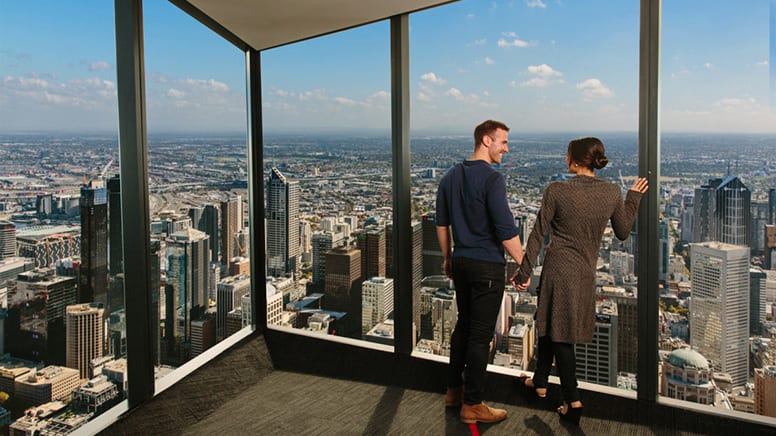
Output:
x=471 y=413
x=454 y=397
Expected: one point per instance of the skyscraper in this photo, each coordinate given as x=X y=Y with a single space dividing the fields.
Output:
x=231 y=223
x=115 y=249
x=772 y=206
x=719 y=308
x=376 y=302
x=343 y=287
x=665 y=251
x=722 y=212
x=115 y=252
x=205 y=218
x=7 y=239
x=35 y=324
x=371 y=242
x=93 y=277
x=229 y=296
x=322 y=243
x=188 y=254
x=282 y=224
x=432 y=253
x=757 y=287
x=597 y=361
x=759 y=219
x=85 y=336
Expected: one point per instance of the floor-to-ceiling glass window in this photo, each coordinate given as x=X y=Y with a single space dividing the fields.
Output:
x=62 y=322
x=327 y=181
x=197 y=165
x=552 y=72
x=718 y=143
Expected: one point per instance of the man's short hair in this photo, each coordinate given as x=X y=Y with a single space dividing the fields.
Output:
x=487 y=128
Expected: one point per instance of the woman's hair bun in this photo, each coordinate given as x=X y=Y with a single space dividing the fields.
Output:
x=600 y=162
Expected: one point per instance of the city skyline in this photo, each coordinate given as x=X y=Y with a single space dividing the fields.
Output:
x=534 y=64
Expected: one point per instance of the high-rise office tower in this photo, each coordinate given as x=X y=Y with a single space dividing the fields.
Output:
x=305 y=241
x=376 y=302
x=371 y=242
x=719 y=308
x=229 y=295
x=203 y=334
x=770 y=246
x=231 y=223
x=722 y=212
x=757 y=287
x=432 y=254
x=188 y=254
x=115 y=252
x=205 y=218
x=282 y=224
x=7 y=239
x=155 y=318
x=772 y=206
x=597 y=361
x=627 y=330
x=85 y=336
x=322 y=243
x=417 y=267
x=93 y=277
x=35 y=323
x=665 y=251
x=687 y=225
x=759 y=217
x=44 y=204
x=343 y=286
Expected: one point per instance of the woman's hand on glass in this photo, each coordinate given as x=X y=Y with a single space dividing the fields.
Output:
x=640 y=185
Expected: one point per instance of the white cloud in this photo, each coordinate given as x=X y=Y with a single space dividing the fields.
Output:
x=592 y=88
x=734 y=104
x=482 y=41
x=345 y=101
x=543 y=70
x=430 y=77
x=536 y=4
x=536 y=82
x=99 y=66
x=708 y=65
x=489 y=61
x=763 y=63
x=513 y=83
x=454 y=92
x=486 y=93
x=209 y=84
x=175 y=93
x=423 y=96
x=513 y=43
x=509 y=34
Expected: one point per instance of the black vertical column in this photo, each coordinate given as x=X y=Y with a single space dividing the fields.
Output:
x=649 y=166
x=136 y=226
x=400 y=135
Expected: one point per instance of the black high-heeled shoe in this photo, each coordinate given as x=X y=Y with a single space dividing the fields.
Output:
x=572 y=415
x=523 y=381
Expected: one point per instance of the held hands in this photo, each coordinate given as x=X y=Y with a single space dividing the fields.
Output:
x=520 y=286
x=640 y=185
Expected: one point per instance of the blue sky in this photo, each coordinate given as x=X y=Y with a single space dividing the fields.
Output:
x=538 y=65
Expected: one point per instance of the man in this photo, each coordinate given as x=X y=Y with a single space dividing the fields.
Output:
x=472 y=206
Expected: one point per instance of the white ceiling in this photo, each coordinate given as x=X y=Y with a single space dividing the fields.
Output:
x=269 y=23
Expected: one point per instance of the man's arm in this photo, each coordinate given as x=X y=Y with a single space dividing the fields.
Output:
x=514 y=248
x=443 y=235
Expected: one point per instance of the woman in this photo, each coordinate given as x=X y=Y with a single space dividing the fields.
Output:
x=575 y=212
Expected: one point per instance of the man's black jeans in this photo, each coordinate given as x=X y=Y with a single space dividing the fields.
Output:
x=479 y=290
